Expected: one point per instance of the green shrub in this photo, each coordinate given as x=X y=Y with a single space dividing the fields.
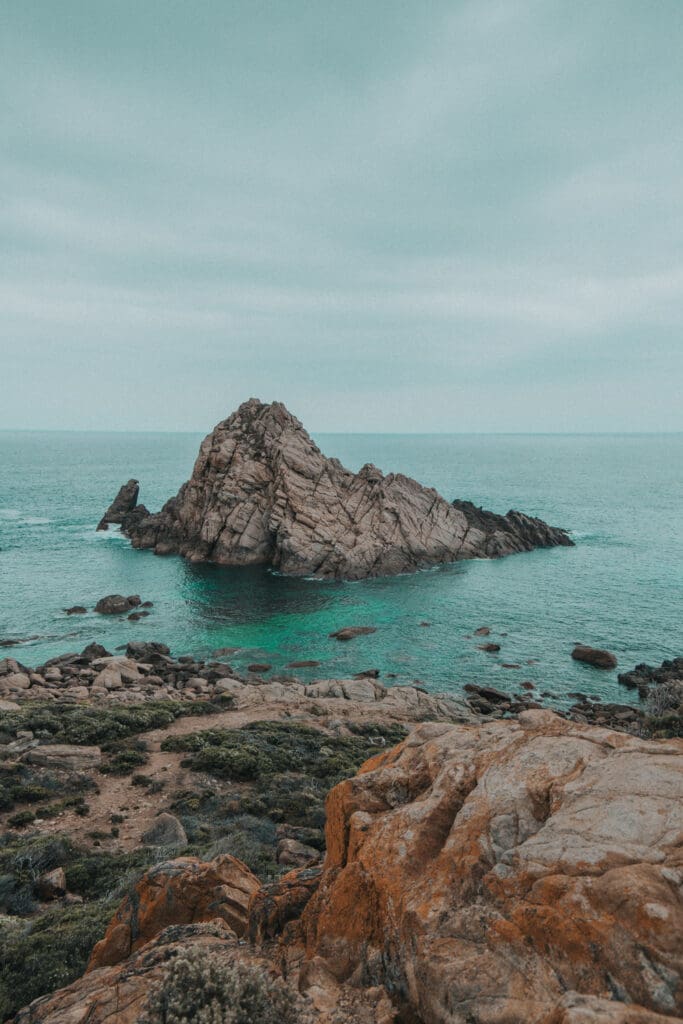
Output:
x=197 y=988
x=21 y=819
x=263 y=749
x=123 y=762
x=92 y=724
x=41 y=955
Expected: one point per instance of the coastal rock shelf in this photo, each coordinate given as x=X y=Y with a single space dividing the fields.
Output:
x=262 y=493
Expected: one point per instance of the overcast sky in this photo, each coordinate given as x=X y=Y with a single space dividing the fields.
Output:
x=415 y=216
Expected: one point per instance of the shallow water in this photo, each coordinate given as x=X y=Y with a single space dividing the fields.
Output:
x=620 y=587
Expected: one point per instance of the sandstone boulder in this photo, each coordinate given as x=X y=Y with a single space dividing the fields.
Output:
x=181 y=891
x=262 y=492
x=525 y=870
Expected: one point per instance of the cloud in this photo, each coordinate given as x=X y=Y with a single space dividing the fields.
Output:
x=337 y=206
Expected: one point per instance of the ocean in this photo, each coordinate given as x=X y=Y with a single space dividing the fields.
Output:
x=621 y=496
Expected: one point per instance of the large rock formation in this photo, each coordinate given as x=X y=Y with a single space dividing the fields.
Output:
x=515 y=871
x=262 y=493
x=181 y=891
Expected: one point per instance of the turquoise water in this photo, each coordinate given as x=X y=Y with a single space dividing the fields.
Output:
x=620 y=587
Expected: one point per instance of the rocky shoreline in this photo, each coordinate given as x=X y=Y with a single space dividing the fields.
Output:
x=262 y=493
x=148 y=672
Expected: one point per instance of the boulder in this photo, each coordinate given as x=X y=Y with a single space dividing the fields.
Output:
x=165 y=830
x=124 y=502
x=76 y=609
x=263 y=493
x=296 y=854
x=594 y=656
x=181 y=891
x=16 y=681
x=116 y=604
x=490 y=648
x=521 y=870
x=148 y=651
x=259 y=667
x=51 y=885
x=64 y=755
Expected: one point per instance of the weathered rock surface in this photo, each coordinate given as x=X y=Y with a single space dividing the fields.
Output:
x=527 y=870
x=262 y=492
x=182 y=891
x=594 y=656
x=124 y=502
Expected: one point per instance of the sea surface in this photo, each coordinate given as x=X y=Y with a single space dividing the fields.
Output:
x=620 y=587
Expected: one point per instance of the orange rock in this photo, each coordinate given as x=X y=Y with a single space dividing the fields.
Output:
x=273 y=906
x=513 y=871
x=181 y=891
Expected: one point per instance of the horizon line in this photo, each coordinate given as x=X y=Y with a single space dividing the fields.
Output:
x=365 y=433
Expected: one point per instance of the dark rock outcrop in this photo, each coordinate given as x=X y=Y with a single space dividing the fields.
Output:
x=644 y=677
x=514 y=532
x=262 y=493
x=124 y=502
x=116 y=604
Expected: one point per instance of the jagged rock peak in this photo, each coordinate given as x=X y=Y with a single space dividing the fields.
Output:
x=262 y=492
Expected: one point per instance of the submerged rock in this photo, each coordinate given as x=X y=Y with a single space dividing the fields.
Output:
x=262 y=493
x=349 y=632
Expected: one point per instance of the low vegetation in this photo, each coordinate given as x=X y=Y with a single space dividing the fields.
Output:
x=201 y=989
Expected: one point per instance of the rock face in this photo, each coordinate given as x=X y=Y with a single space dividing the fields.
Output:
x=526 y=870
x=124 y=502
x=262 y=493
x=181 y=891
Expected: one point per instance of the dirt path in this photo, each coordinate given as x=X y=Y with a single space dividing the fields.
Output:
x=117 y=794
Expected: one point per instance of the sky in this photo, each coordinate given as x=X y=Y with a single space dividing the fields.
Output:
x=392 y=216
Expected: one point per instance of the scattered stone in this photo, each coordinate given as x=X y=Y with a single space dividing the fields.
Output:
x=303 y=664
x=527 y=685
x=349 y=632
x=482 y=631
x=509 y=664
x=369 y=673
x=489 y=648
x=594 y=656
x=76 y=609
